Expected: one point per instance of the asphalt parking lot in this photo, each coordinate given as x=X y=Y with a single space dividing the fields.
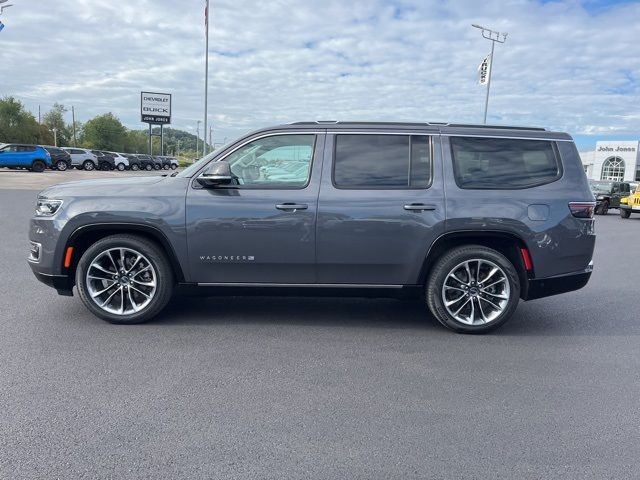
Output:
x=277 y=388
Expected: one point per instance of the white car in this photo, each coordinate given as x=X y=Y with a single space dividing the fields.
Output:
x=82 y=159
x=122 y=162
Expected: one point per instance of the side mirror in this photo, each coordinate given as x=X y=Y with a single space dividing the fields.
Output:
x=219 y=173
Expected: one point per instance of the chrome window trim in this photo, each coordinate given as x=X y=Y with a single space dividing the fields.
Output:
x=508 y=137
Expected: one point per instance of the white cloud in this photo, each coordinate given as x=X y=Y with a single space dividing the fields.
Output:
x=564 y=66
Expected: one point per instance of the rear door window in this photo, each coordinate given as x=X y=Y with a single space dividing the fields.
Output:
x=382 y=161
x=503 y=163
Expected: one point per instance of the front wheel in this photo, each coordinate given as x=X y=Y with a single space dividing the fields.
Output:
x=625 y=213
x=173 y=166
x=61 y=166
x=124 y=279
x=135 y=167
x=148 y=167
x=473 y=289
x=121 y=167
x=88 y=165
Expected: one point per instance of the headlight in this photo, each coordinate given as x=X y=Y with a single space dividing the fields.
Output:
x=47 y=207
x=599 y=197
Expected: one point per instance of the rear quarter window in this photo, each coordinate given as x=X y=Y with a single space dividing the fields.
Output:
x=504 y=163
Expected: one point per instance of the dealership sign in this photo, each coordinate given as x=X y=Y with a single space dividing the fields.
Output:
x=155 y=108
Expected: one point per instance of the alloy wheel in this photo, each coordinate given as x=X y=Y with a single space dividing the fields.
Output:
x=476 y=292
x=121 y=281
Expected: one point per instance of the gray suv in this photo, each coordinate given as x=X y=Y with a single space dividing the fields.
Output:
x=470 y=218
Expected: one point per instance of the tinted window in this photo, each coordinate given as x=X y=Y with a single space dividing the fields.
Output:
x=498 y=163
x=26 y=148
x=279 y=161
x=382 y=161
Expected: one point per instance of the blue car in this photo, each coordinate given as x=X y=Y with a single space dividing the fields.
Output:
x=31 y=157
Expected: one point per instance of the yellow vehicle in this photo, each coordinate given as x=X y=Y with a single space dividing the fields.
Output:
x=630 y=204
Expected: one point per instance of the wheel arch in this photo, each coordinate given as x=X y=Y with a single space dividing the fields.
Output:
x=506 y=243
x=83 y=237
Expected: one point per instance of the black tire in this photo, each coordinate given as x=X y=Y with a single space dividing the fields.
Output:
x=135 y=167
x=38 y=166
x=440 y=273
x=173 y=166
x=625 y=213
x=61 y=166
x=157 y=167
x=166 y=167
x=604 y=209
x=88 y=165
x=121 y=167
x=165 y=278
x=148 y=167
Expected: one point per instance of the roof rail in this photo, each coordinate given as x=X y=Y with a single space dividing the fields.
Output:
x=430 y=124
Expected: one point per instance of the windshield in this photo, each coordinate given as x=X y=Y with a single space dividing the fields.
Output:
x=606 y=186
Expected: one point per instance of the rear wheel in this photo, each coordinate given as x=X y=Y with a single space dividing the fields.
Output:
x=121 y=167
x=157 y=167
x=148 y=167
x=124 y=279
x=88 y=165
x=625 y=213
x=173 y=166
x=38 y=166
x=135 y=167
x=473 y=289
x=61 y=165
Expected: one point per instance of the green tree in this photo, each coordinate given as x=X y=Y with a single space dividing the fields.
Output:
x=17 y=125
x=54 y=120
x=104 y=132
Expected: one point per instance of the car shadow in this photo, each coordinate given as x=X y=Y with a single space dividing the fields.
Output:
x=545 y=317
x=300 y=311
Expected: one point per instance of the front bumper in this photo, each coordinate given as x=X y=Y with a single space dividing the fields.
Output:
x=546 y=287
x=62 y=283
x=631 y=208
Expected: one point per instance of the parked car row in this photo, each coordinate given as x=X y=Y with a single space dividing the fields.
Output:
x=610 y=193
x=37 y=158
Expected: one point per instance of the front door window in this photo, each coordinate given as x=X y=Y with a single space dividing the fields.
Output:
x=282 y=162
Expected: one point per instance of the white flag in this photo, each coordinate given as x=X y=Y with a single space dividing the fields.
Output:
x=483 y=70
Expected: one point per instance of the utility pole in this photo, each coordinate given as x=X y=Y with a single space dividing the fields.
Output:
x=73 y=119
x=206 y=76
x=210 y=135
x=55 y=136
x=494 y=37
x=198 y=140
x=39 y=120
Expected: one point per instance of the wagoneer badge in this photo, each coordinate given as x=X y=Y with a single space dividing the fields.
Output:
x=227 y=258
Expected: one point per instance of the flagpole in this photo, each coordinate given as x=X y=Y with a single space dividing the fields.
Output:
x=494 y=37
x=206 y=78
x=486 y=100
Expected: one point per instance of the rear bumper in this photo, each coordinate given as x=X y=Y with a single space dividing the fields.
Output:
x=546 y=287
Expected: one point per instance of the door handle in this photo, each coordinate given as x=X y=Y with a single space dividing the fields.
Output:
x=419 y=207
x=287 y=207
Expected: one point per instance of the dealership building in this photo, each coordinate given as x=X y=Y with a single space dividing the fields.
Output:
x=612 y=160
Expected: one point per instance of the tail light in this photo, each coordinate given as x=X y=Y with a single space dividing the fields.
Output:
x=582 y=209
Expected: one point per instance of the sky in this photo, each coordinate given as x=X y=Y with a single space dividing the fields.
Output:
x=566 y=65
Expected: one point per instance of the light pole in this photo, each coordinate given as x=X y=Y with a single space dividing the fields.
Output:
x=4 y=6
x=206 y=77
x=494 y=37
x=55 y=136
